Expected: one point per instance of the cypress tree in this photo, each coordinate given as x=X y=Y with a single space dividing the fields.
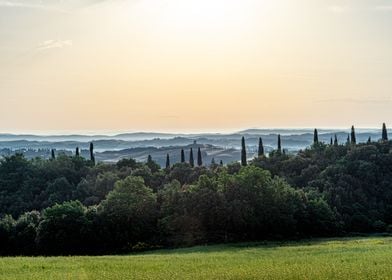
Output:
x=221 y=162
x=199 y=158
x=353 y=137
x=191 y=160
x=167 y=161
x=243 y=152
x=92 y=157
x=336 y=141
x=261 y=148
x=331 y=141
x=384 y=132
x=315 y=137
x=279 y=144
x=369 y=140
x=77 y=153
x=53 y=154
x=348 y=139
x=182 y=156
x=149 y=159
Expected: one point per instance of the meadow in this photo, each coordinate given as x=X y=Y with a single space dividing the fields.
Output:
x=347 y=258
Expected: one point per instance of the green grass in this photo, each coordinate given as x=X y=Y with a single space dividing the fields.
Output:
x=354 y=258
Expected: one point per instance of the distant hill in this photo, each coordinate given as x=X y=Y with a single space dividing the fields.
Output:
x=140 y=144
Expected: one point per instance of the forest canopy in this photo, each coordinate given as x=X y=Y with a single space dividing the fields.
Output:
x=71 y=205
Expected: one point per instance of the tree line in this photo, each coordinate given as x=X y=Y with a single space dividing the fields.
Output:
x=73 y=205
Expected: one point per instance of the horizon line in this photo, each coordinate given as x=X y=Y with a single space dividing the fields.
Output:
x=180 y=132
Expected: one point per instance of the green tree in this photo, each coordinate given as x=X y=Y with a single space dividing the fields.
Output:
x=279 y=144
x=353 y=137
x=335 y=142
x=129 y=213
x=154 y=167
x=182 y=156
x=61 y=229
x=199 y=157
x=167 y=161
x=315 y=137
x=92 y=157
x=243 y=152
x=191 y=160
x=384 y=132
x=77 y=152
x=261 y=148
x=53 y=155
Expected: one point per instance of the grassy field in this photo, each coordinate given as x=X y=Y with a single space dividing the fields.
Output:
x=355 y=258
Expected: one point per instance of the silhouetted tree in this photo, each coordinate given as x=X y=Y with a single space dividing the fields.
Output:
x=243 y=152
x=221 y=162
x=182 y=156
x=149 y=159
x=53 y=154
x=167 y=161
x=369 y=140
x=261 y=147
x=191 y=160
x=315 y=137
x=384 y=132
x=348 y=139
x=199 y=158
x=353 y=137
x=335 y=142
x=77 y=153
x=279 y=144
x=92 y=157
x=331 y=141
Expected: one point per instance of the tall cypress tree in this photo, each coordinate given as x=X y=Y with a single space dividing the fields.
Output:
x=243 y=152
x=279 y=144
x=261 y=148
x=182 y=156
x=384 y=133
x=353 y=137
x=369 y=140
x=221 y=163
x=92 y=157
x=149 y=159
x=191 y=160
x=199 y=158
x=348 y=139
x=335 y=142
x=331 y=142
x=167 y=161
x=77 y=153
x=53 y=154
x=315 y=137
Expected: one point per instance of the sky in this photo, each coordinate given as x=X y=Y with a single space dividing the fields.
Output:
x=193 y=65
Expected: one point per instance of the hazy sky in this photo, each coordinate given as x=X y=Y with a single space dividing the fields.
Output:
x=193 y=65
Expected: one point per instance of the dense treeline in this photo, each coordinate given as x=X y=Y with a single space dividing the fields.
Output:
x=70 y=205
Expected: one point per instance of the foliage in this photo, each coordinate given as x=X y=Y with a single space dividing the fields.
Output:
x=70 y=205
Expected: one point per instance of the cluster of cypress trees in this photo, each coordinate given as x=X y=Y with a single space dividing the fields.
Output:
x=77 y=153
x=351 y=139
x=191 y=158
